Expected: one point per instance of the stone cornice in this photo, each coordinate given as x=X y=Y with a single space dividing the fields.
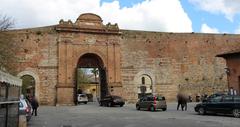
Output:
x=88 y=23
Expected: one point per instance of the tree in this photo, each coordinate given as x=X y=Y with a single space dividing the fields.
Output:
x=6 y=23
x=8 y=47
x=95 y=72
x=82 y=77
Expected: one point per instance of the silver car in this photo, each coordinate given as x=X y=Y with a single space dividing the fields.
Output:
x=25 y=108
x=152 y=103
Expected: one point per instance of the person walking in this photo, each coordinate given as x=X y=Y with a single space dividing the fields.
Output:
x=35 y=105
x=182 y=101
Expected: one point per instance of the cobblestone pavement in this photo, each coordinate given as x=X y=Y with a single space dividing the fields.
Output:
x=92 y=115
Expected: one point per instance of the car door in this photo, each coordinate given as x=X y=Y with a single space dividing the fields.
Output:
x=213 y=105
x=227 y=104
x=149 y=102
x=143 y=103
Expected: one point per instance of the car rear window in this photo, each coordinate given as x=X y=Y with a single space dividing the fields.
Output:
x=159 y=98
x=150 y=98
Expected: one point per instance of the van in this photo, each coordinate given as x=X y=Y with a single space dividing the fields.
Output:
x=152 y=103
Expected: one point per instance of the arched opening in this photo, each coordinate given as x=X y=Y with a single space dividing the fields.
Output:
x=145 y=85
x=91 y=77
x=28 y=85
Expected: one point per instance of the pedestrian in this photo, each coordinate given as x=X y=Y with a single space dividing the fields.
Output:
x=179 y=101
x=182 y=101
x=35 y=105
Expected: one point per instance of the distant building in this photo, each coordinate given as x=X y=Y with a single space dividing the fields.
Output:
x=233 y=70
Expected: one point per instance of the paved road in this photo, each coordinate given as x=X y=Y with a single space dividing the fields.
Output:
x=91 y=115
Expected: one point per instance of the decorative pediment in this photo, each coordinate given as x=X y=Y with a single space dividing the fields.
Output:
x=88 y=22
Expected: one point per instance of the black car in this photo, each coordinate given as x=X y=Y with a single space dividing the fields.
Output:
x=111 y=100
x=226 y=104
x=213 y=96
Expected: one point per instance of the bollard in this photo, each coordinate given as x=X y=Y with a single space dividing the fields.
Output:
x=22 y=121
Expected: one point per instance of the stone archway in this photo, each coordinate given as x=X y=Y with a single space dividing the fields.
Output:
x=33 y=74
x=92 y=60
x=145 y=79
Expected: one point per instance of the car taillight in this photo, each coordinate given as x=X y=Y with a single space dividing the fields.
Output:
x=154 y=101
x=27 y=110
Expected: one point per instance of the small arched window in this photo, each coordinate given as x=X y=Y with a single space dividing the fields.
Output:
x=143 y=80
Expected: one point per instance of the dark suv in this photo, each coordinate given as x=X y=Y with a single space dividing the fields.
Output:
x=111 y=100
x=226 y=104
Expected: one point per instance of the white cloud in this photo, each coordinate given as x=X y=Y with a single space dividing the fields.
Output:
x=206 y=29
x=229 y=8
x=157 y=15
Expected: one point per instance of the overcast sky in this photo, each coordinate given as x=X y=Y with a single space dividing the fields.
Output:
x=208 y=16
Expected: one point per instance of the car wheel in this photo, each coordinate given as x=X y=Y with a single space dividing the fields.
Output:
x=164 y=109
x=85 y=102
x=121 y=105
x=201 y=111
x=137 y=107
x=100 y=103
x=109 y=104
x=236 y=113
x=152 y=108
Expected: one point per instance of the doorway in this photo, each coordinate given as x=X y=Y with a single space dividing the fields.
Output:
x=91 y=77
x=28 y=86
x=145 y=87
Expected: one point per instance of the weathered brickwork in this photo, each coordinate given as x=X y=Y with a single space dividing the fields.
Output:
x=174 y=61
x=179 y=61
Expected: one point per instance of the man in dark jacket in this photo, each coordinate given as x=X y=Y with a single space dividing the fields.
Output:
x=182 y=101
x=35 y=105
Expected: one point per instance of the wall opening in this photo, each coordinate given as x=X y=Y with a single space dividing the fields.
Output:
x=145 y=86
x=28 y=86
x=91 y=77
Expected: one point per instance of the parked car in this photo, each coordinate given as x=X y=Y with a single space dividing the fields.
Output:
x=111 y=100
x=152 y=103
x=82 y=98
x=226 y=104
x=25 y=108
x=213 y=96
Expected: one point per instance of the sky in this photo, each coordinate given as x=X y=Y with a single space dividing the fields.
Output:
x=200 y=16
